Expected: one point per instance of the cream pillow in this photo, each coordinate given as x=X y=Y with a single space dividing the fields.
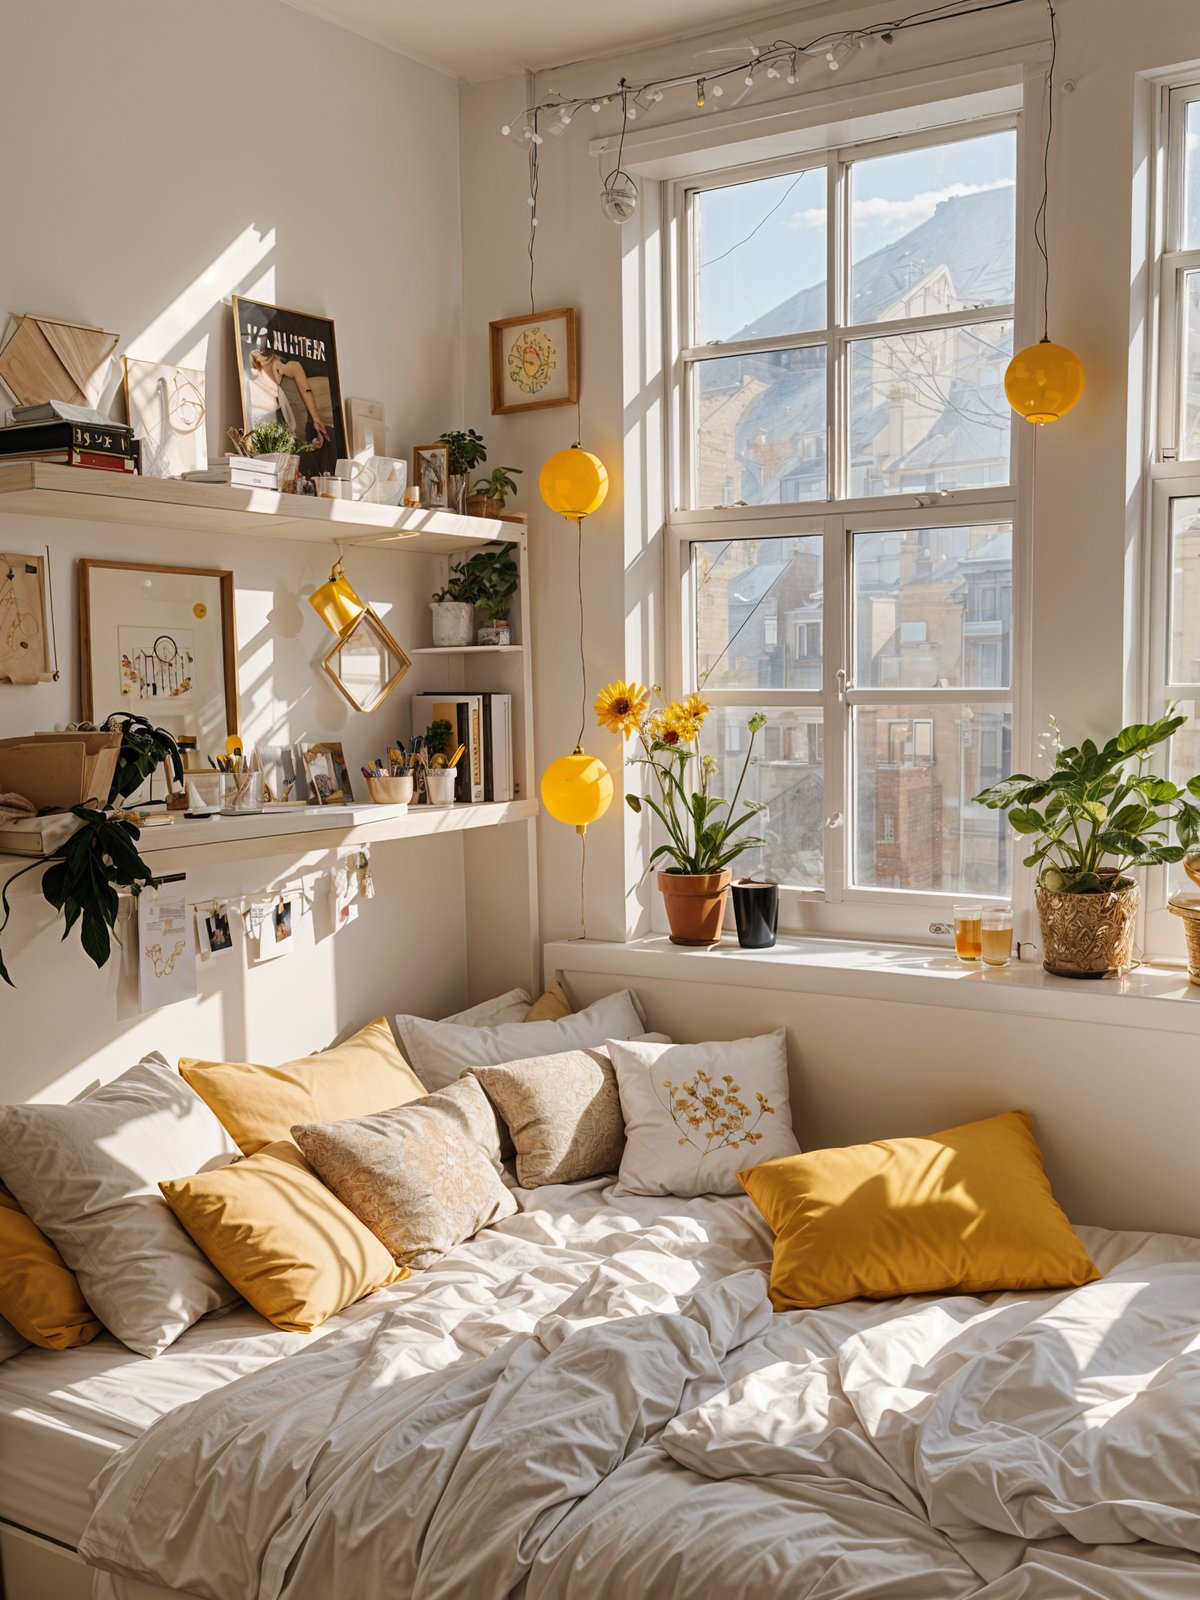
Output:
x=412 y=1175
x=259 y=1104
x=563 y=1113
x=697 y=1114
x=440 y=1052
x=288 y=1246
x=87 y=1175
x=510 y=1007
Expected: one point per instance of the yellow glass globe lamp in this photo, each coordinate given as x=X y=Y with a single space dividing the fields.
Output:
x=574 y=483
x=1044 y=381
x=577 y=789
x=336 y=602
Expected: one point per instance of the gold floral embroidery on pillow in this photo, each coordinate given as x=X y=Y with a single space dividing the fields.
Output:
x=712 y=1115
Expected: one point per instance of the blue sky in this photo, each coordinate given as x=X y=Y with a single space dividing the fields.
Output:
x=743 y=277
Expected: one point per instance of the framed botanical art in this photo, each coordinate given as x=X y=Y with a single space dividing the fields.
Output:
x=24 y=636
x=534 y=361
x=431 y=473
x=287 y=366
x=166 y=411
x=160 y=642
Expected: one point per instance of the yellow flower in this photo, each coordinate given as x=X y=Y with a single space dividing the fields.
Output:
x=660 y=732
x=680 y=720
x=696 y=706
x=620 y=707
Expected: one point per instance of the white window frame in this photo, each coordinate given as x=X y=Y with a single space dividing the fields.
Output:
x=839 y=907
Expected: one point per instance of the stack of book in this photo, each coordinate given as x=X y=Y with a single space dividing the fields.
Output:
x=483 y=723
x=239 y=472
x=50 y=432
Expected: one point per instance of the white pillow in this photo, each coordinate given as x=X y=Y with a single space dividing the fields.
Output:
x=87 y=1175
x=511 y=1007
x=697 y=1114
x=440 y=1052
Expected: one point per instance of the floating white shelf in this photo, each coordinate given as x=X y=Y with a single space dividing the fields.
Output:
x=51 y=490
x=468 y=650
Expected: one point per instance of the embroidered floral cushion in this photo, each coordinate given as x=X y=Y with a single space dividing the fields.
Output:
x=697 y=1114
x=563 y=1112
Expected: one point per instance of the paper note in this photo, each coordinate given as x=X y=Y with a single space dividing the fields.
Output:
x=166 y=947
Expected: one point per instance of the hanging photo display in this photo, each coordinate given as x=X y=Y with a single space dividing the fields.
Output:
x=214 y=931
x=166 y=946
x=343 y=885
x=287 y=361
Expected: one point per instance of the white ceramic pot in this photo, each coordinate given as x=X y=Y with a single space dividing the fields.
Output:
x=440 y=783
x=453 y=622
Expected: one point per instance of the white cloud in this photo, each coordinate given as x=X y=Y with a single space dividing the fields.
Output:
x=890 y=219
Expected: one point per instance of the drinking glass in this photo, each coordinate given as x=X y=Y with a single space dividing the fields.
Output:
x=996 y=936
x=967 y=933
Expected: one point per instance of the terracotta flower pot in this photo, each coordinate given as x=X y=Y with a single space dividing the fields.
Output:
x=1088 y=935
x=695 y=903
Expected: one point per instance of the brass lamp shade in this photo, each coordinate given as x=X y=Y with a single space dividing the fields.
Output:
x=336 y=602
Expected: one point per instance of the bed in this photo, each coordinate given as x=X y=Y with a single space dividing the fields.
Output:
x=594 y=1397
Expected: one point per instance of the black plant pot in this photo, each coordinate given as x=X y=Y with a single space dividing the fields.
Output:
x=756 y=912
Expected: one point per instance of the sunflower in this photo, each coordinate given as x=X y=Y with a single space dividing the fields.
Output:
x=621 y=706
x=696 y=706
x=682 y=720
x=660 y=731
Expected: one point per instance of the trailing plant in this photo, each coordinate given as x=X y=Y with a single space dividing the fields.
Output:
x=144 y=749
x=1101 y=809
x=700 y=825
x=82 y=880
x=498 y=485
x=276 y=438
x=487 y=580
x=467 y=449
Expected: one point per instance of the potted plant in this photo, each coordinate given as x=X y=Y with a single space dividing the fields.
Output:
x=700 y=826
x=486 y=580
x=276 y=441
x=467 y=450
x=490 y=495
x=1099 y=812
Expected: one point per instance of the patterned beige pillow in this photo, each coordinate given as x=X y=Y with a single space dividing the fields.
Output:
x=414 y=1175
x=563 y=1112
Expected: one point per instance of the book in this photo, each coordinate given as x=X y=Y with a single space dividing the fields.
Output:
x=56 y=411
x=74 y=458
x=38 y=836
x=464 y=713
x=497 y=747
x=240 y=472
x=30 y=438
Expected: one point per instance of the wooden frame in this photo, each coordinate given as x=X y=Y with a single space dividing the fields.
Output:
x=442 y=450
x=323 y=458
x=228 y=630
x=502 y=390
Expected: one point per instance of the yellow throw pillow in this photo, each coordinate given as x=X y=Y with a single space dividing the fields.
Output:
x=259 y=1105
x=273 y=1230
x=967 y=1209
x=552 y=1006
x=38 y=1292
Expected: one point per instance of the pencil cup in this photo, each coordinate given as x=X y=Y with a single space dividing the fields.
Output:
x=440 y=783
x=390 y=791
x=241 y=793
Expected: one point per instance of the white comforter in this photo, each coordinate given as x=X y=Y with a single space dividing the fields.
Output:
x=596 y=1400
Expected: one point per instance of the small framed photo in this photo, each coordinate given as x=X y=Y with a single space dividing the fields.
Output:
x=328 y=775
x=534 y=361
x=431 y=474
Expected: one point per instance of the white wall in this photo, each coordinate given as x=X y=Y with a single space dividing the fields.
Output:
x=162 y=157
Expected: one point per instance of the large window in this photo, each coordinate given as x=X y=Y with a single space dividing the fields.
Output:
x=846 y=510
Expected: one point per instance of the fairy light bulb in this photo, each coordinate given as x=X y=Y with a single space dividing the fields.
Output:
x=750 y=80
x=832 y=61
x=506 y=130
x=700 y=93
x=595 y=105
x=717 y=91
x=633 y=113
x=771 y=72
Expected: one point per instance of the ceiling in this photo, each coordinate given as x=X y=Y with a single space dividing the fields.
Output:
x=479 y=39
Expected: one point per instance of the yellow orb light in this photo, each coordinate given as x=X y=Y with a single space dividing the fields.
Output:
x=574 y=483
x=1044 y=381
x=577 y=789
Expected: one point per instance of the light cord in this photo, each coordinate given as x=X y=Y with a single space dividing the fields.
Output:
x=1040 y=236
x=534 y=176
x=582 y=667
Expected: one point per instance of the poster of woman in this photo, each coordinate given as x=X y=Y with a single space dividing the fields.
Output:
x=287 y=362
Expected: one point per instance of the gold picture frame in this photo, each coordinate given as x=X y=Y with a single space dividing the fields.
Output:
x=366 y=630
x=534 y=361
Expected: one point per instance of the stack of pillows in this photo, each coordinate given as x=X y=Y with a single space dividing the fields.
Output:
x=310 y=1185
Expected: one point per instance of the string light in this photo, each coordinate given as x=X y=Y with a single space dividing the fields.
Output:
x=700 y=93
x=717 y=91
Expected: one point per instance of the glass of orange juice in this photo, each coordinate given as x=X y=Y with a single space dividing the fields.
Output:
x=996 y=935
x=967 y=933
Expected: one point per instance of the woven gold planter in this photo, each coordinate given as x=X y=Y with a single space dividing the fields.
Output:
x=1089 y=935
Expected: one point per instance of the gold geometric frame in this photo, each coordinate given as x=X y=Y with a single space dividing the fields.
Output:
x=367 y=623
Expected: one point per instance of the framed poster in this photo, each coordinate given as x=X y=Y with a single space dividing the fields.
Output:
x=534 y=361
x=287 y=367
x=166 y=410
x=160 y=642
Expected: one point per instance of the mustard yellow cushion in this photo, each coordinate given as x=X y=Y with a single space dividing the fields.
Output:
x=273 y=1230
x=259 y=1105
x=967 y=1209
x=38 y=1292
x=552 y=1006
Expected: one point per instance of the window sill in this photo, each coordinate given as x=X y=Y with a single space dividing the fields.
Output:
x=1151 y=996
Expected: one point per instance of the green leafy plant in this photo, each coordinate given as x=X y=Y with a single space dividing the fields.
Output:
x=467 y=449
x=499 y=485
x=143 y=751
x=1100 y=810
x=437 y=738
x=276 y=438
x=82 y=880
x=488 y=580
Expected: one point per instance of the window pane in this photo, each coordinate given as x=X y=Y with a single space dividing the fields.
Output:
x=757 y=605
x=927 y=410
x=1189 y=441
x=760 y=428
x=1191 y=179
x=1185 y=591
x=787 y=776
x=1182 y=763
x=759 y=258
x=914 y=772
x=933 y=608
x=934 y=229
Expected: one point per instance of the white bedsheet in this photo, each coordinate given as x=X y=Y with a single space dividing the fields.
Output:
x=595 y=1399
